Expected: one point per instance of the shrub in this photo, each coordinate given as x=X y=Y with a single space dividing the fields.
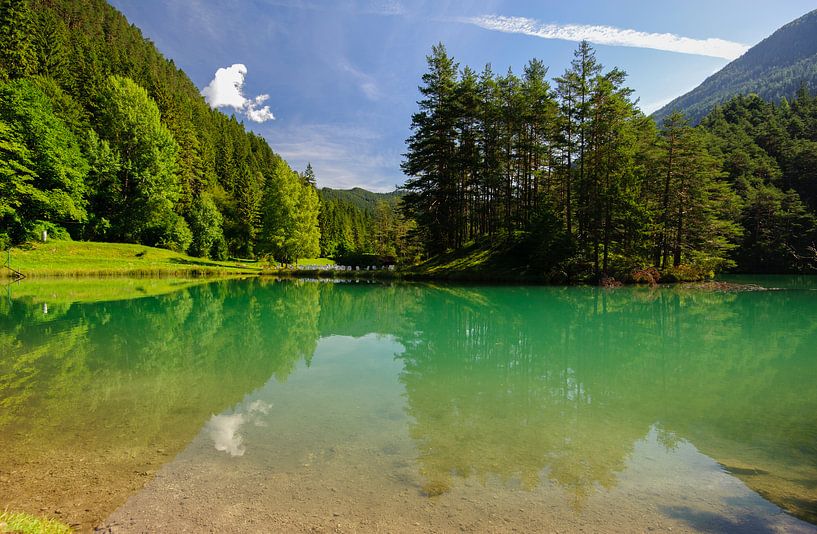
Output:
x=686 y=273
x=54 y=231
x=648 y=275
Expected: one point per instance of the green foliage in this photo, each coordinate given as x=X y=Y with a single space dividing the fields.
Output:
x=431 y=188
x=141 y=199
x=16 y=188
x=306 y=225
x=169 y=230
x=548 y=245
x=50 y=39
x=47 y=169
x=109 y=139
x=52 y=230
x=768 y=155
x=359 y=198
x=290 y=226
x=497 y=155
x=356 y=221
x=205 y=223
x=18 y=56
x=597 y=189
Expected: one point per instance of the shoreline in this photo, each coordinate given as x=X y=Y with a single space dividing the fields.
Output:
x=84 y=259
x=371 y=276
x=467 y=278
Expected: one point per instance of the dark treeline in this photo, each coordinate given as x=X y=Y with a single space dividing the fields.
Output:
x=103 y=138
x=574 y=171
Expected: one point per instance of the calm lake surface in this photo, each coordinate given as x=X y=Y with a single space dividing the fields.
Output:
x=258 y=405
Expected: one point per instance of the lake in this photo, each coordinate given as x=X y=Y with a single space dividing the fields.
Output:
x=262 y=405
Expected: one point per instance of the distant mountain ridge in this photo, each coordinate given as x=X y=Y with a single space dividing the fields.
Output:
x=360 y=198
x=773 y=69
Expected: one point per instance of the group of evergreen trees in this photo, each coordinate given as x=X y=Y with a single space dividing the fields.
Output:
x=595 y=188
x=103 y=138
x=768 y=155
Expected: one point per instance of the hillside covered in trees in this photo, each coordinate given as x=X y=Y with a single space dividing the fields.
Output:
x=104 y=139
x=356 y=222
x=774 y=69
x=582 y=185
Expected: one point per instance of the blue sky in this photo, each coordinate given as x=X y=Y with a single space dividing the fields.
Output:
x=341 y=76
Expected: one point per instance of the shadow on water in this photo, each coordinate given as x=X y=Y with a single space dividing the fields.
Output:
x=704 y=521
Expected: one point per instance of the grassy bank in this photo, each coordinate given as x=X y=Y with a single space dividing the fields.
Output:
x=478 y=261
x=28 y=524
x=82 y=258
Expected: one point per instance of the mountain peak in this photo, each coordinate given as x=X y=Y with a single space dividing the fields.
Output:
x=774 y=68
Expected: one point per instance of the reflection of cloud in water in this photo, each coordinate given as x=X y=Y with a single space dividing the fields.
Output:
x=225 y=429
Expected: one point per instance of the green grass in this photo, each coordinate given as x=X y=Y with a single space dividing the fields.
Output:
x=482 y=260
x=28 y=524
x=84 y=258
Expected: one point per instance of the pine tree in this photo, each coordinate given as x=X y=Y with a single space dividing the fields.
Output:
x=309 y=175
x=18 y=56
x=431 y=187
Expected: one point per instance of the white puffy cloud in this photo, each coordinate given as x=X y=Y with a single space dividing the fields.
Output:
x=226 y=90
x=609 y=35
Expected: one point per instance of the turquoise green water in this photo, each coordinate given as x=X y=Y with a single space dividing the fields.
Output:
x=296 y=406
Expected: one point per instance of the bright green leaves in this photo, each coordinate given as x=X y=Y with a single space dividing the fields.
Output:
x=44 y=155
x=140 y=202
x=290 y=224
x=206 y=224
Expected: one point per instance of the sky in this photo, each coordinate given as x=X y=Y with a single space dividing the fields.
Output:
x=334 y=82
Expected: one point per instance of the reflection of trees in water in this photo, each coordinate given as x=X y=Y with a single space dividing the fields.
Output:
x=509 y=382
x=94 y=394
x=358 y=309
x=519 y=383
x=159 y=365
x=26 y=364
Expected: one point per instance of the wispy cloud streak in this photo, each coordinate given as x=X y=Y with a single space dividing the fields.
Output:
x=343 y=156
x=609 y=35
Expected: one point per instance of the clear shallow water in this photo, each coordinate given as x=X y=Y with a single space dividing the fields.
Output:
x=296 y=406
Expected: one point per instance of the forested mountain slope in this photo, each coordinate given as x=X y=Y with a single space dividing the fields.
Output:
x=356 y=221
x=359 y=197
x=774 y=69
x=104 y=138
